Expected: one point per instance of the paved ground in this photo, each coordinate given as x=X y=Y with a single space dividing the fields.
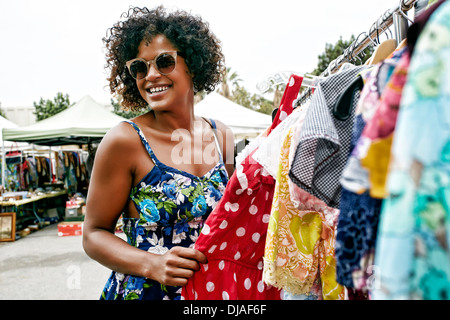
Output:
x=45 y=266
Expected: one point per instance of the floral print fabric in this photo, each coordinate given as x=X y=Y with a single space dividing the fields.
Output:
x=360 y=202
x=412 y=250
x=172 y=205
x=299 y=251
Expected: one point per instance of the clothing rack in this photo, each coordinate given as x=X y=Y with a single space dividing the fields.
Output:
x=395 y=16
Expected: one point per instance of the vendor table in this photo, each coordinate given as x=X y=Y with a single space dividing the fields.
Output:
x=17 y=204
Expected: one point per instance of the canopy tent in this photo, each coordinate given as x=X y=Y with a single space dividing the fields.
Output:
x=5 y=123
x=84 y=122
x=244 y=122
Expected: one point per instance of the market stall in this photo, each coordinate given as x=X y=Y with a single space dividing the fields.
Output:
x=53 y=177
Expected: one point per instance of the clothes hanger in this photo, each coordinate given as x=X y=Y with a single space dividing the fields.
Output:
x=383 y=49
x=282 y=77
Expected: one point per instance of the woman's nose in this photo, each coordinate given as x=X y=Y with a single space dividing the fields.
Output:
x=152 y=73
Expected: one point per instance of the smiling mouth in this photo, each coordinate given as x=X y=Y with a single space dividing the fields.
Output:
x=155 y=90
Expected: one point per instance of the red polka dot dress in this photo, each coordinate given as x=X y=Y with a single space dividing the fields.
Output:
x=233 y=237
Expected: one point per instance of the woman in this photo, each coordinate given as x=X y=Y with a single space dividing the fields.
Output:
x=164 y=170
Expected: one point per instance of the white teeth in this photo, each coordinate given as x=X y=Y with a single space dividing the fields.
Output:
x=158 y=89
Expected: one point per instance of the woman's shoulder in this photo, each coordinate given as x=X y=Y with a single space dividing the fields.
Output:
x=120 y=137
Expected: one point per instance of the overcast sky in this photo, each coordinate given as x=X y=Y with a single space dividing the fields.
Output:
x=51 y=46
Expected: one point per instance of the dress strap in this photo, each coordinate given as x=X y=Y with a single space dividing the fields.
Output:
x=144 y=141
x=214 y=127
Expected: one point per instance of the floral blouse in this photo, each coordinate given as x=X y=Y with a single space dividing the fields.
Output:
x=172 y=206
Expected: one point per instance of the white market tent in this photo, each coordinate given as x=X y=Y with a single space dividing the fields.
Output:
x=82 y=123
x=5 y=123
x=244 y=122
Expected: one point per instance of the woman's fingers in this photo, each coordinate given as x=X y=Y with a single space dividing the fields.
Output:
x=180 y=264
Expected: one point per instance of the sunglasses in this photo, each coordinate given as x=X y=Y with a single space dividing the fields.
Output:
x=165 y=63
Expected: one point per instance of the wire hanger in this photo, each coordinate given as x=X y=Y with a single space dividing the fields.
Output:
x=282 y=77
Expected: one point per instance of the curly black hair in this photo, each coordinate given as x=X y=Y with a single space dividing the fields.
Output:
x=188 y=33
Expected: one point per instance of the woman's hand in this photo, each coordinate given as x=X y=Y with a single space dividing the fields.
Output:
x=176 y=266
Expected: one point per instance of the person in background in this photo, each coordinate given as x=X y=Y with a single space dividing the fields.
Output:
x=163 y=171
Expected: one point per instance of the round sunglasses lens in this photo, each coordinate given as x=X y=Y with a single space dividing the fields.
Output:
x=138 y=69
x=165 y=63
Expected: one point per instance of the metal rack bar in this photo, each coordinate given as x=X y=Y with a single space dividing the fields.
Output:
x=386 y=20
x=395 y=16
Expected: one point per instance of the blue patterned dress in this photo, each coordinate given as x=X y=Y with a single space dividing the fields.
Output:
x=172 y=206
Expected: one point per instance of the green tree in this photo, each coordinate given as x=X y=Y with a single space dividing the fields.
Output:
x=261 y=104
x=128 y=114
x=47 y=108
x=334 y=51
x=230 y=81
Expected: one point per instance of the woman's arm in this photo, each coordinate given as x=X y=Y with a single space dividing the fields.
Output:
x=108 y=197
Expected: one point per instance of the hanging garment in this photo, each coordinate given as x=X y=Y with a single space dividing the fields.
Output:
x=412 y=250
x=299 y=250
x=233 y=237
x=287 y=101
x=377 y=135
x=172 y=206
x=325 y=141
x=360 y=205
x=268 y=152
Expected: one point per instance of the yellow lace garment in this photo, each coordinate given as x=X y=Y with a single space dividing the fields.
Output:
x=300 y=243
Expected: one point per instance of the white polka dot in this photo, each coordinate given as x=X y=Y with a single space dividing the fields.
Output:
x=210 y=287
x=234 y=277
x=291 y=82
x=249 y=191
x=224 y=224
x=253 y=209
x=260 y=286
x=213 y=247
x=247 y=283
x=221 y=265
x=223 y=245
x=231 y=206
x=255 y=237
x=266 y=218
x=225 y=296
x=205 y=267
x=206 y=229
x=237 y=256
x=240 y=232
x=260 y=265
x=283 y=115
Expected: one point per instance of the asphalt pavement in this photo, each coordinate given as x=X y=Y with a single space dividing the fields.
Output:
x=45 y=266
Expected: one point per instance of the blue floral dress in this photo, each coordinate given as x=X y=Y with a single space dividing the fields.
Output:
x=172 y=206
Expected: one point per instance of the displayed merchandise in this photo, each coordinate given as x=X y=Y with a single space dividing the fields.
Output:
x=350 y=188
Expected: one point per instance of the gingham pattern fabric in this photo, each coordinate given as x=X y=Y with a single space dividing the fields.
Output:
x=324 y=143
